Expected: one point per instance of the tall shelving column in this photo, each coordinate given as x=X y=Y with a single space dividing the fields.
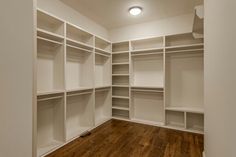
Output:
x=121 y=80
x=102 y=76
x=147 y=80
x=50 y=82
x=79 y=81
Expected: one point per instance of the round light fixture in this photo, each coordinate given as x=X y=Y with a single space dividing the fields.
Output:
x=135 y=10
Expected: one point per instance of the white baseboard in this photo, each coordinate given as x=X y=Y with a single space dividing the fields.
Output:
x=203 y=154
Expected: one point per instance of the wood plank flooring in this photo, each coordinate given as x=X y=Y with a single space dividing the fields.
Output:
x=125 y=139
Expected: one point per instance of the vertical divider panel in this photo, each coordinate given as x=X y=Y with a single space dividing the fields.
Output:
x=64 y=66
x=164 y=79
x=130 y=77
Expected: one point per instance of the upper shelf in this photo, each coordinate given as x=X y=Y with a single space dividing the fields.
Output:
x=121 y=47
x=146 y=44
x=78 y=35
x=102 y=45
x=198 y=23
x=49 y=23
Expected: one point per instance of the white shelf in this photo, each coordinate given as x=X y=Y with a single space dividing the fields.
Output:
x=147 y=44
x=185 y=48
x=49 y=35
x=120 y=108
x=124 y=114
x=120 y=97
x=78 y=44
x=78 y=36
x=120 y=52
x=41 y=93
x=124 y=63
x=120 y=58
x=186 y=109
x=122 y=86
x=120 y=74
x=175 y=119
x=79 y=89
x=102 y=51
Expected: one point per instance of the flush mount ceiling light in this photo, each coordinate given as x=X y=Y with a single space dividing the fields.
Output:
x=135 y=10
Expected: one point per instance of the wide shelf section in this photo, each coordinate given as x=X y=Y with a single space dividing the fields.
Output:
x=147 y=44
x=79 y=113
x=186 y=109
x=175 y=119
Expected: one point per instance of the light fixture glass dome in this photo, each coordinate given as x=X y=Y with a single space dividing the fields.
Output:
x=135 y=10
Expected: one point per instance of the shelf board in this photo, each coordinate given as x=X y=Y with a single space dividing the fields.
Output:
x=120 y=108
x=148 y=87
x=120 y=97
x=101 y=54
x=186 y=109
x=100 y=87
x=79 y=89
x=122 y=63
x=41 y=150
x=78 y=48
x=49 y=40
x=42 y=93
x=49 y=35
x=184 y=47
x=155 y=123
x=120 y=74
x=120 y=52
x=123 y=86
x=102 y=51
x=78 y=44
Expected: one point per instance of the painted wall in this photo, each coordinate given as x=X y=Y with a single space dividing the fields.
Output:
x=174 y=25
x=16 y=78
x=220 y=78
x=57 y=8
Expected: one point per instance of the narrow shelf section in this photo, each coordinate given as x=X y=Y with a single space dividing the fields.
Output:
x=103 y=102
x=79 y=117
x=79 y=69
x=120 y=114
x=50 y=126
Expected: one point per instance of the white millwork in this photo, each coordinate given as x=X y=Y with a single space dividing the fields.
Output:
x=84 y=80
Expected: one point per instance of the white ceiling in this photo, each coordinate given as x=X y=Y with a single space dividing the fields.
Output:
x=114 y=13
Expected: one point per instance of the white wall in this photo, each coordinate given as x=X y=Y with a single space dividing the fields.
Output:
x=220 y=78
x=57 y=8
x=16 y=78
x=174 y=25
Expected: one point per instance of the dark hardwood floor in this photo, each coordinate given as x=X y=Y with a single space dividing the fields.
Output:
x=125 y=139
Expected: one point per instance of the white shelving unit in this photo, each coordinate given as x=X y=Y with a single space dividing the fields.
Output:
x=79 y=117
x=50 y=124
x=84 y=80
